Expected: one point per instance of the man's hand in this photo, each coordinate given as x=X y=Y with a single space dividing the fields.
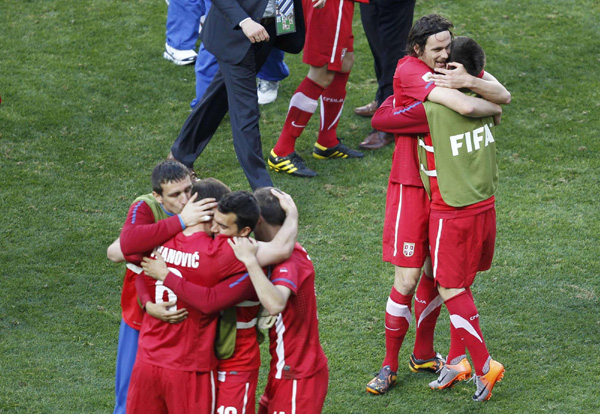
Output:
x=255 y=32
x=156 y=269
x=160 y=311
x=456 y=78
x=197 y=212
x=285 y=201
x=318 y=4
x=244 y=248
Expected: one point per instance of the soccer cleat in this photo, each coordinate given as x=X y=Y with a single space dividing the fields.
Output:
x=267 y=91
x=485 y=383
x=339 y=151
x=383 y=381
x=292 y=164
x=179 y=57
x=451 y=374
x=434 y=364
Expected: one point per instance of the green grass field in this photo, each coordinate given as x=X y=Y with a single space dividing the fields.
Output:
x=89 y=106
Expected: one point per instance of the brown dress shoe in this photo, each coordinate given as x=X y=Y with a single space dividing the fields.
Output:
x=376 y=140
x=193 y=174
x=367 y=111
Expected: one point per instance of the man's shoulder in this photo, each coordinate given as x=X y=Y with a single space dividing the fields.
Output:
x=410 y=65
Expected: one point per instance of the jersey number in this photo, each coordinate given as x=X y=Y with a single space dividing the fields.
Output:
x=162 y=292
x=226 y=410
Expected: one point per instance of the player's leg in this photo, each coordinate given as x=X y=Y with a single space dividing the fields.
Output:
x=405 y=246
x=303 y=104
x=455 y=266
x=303 y=395
x=188 y=392
x=236 y=392
x=183 y=21
x=205 y=68
x=126 y=353
x=428 y=304
x=146 y=394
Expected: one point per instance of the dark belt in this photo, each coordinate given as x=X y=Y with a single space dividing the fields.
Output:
x=267 y=20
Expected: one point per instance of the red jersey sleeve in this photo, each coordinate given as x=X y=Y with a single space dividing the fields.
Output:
x=224 y=295
x=141 y=234
x=412 y=81
x=142 y=290
x=404 y=120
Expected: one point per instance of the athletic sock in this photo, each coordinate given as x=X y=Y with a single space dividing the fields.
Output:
x=397 y=321
x=465 y=319
x=332 y=103
x=428 y=304
x=302 y=105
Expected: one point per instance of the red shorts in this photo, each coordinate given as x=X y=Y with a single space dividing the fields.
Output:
x=406 y=225
x=328 y=33
x=299 y=396
x=461 y=247
x=158 y=390
x=236 y=391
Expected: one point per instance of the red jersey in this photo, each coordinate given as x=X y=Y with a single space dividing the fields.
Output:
x=294 y=339
x=189 y=345
x=411 y=87
x=141 y=233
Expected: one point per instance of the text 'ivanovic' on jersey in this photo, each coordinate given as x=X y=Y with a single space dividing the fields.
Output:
x=472 y=140
x=178 y=258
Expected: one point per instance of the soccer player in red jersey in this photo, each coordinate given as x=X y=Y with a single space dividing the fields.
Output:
x=152 y=219
x=405 y=234
x=329 y=51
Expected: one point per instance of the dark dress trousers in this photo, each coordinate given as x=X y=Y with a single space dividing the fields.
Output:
x=233 y=88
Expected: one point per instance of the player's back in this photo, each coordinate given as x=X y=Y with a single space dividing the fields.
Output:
x=295 y=348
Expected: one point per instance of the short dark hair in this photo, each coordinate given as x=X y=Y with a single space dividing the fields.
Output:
x=244 y=205
x=168 y=171
x=468 y=52
x=423 y=28
x=210 y=188
x=270 y=208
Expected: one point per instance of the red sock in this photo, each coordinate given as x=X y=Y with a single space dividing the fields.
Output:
x=465 y=319
x=302 y=105
x=397 y=321
x=428 y=304
x=332 y=102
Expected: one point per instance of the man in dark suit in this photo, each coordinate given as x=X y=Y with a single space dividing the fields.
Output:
x=241 y=34
x=386 y=24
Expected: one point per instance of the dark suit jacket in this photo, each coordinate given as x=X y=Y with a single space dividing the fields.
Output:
x=223 y=37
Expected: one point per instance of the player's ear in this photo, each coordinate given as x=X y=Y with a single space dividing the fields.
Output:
x=157 y=196
x=417 y=50
x=245 y=232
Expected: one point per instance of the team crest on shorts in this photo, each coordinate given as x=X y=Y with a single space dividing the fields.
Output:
x=409 y=249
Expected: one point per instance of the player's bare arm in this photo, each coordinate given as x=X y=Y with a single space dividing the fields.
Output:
x=464 y=104
x=273 y=298
x=455 y=76
x=114 y=252
x=198 y=212
x=282 y=245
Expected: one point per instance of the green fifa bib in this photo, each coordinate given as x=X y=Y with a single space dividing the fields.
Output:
x=465 y=156
x=157 y=210
x=227 y=327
